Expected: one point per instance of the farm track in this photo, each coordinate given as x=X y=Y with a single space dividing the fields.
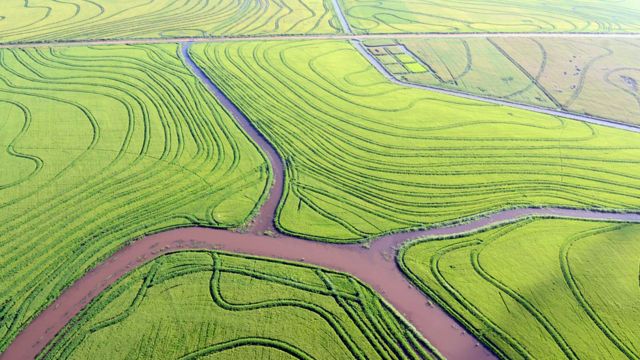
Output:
x=374 y=265
x=539 y=109
x=356 y=41
x=311 y=37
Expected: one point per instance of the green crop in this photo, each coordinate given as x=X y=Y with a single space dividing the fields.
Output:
x=103 y=145
x=52 y=20
x=366 y=157
x=192 y=304
x=453 y=16
x=538 y=288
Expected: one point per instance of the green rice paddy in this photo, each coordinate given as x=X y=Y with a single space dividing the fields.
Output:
x=539 y=289
x=591 y=76
x=366 y=157
x=52 y=20
x=192 y=305
x=105 y=144
x=453 y=16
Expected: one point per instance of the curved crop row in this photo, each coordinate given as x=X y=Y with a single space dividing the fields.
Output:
x=249 y=306
x=109 y=143
x=538 y=288
x=453 y=16
x=79 y=19
x=366 y=157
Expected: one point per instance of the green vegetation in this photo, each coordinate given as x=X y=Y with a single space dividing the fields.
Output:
x=418 y=16
x=190 y=305
x=52 y=20
x=105 y=144
x=539 y=289
x=473 y=65
x=598 y=77
x=396 y=59
x=592 y=76
x=365 y=156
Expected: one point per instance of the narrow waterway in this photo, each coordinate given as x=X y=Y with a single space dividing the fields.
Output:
x=346 y=28
x=539 y=109
x=374 y=265
x=264 y=220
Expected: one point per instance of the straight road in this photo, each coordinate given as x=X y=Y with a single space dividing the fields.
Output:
x=311 y=37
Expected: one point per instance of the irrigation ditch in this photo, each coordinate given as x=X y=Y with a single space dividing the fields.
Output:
x=374 y=262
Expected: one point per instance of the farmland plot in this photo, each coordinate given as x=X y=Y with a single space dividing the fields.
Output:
x=472 y=65
x=419 y=16
x=539 y=288
x=365 y=156
x=240 y=308
x=592 y=76
x=50 y=20
x=105 y=144
x=597 y=77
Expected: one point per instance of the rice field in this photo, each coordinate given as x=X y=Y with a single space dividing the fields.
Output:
x=472 y=65
x=592 y=76
x=105 y=144
x=537 y=289
x=454 y=16
x=206 y=304
x=52 y=20
x=365 y=156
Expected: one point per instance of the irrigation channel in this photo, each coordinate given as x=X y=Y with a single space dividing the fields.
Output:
x=214 y=39
x=539 y=109
x=356 y=40
x=357 y=43
x=374 y=264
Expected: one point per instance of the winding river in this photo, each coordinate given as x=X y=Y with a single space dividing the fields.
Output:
x=374 y=265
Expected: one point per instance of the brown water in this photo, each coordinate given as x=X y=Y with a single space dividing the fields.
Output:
x=375 y=265
x=264 y=220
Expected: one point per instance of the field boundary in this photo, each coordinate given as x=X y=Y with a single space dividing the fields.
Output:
x=424 y=287
x=216 y=39
x=492 y=100
x=46 y=324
